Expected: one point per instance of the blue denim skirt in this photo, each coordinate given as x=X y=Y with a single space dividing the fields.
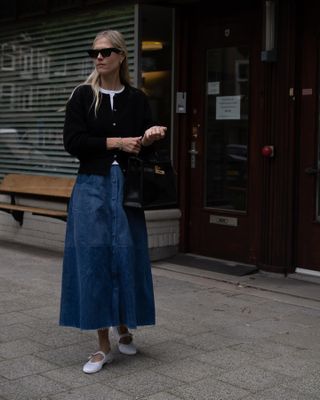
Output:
x=106 y=279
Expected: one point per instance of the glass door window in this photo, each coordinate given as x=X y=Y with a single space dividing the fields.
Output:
x=227 y=128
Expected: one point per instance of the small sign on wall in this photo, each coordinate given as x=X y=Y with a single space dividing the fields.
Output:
x=181 y=102
x=307 y=92
x=223 y=220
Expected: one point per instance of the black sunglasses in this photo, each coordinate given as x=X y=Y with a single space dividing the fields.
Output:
x=93 y=53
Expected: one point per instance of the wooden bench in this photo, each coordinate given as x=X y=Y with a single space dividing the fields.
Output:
x=22 y=186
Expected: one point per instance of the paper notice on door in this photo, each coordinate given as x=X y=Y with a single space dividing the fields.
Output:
x=228 y=107
x=213 y=88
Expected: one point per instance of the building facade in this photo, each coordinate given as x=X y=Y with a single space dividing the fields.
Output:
x=235 y=82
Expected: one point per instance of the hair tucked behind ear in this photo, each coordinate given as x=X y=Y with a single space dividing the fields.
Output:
x=117 y=40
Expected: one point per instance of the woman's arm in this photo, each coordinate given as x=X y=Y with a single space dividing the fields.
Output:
x=76 y=138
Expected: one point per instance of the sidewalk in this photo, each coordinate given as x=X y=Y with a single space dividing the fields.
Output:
x=218 y=337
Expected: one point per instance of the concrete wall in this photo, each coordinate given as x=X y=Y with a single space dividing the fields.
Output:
x=162 y=225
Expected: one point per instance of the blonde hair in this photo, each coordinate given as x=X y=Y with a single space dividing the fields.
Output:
x=117 y=40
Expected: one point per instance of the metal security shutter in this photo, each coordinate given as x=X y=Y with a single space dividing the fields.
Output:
x=40 y=65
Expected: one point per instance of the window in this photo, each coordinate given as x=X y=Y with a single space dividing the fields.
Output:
x=157 y=65
x=40 y=64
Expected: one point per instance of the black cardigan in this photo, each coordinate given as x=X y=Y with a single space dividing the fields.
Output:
x=85 y=134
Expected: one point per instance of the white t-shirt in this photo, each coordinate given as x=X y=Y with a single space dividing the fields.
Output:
x=111 y=93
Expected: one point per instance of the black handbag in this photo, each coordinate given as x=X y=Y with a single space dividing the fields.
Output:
x=150 y=182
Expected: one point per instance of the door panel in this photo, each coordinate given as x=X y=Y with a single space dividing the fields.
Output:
x=222 y=145
x=309 y=171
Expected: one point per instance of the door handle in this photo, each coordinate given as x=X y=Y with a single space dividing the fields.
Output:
x=312 y=171
x=193 y=152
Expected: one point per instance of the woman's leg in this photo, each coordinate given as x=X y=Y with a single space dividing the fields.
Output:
x=104 y=344
x=101 y=357
x=123 y=329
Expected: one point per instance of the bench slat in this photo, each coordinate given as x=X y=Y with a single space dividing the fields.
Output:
x=40 y=185
x=34 y=210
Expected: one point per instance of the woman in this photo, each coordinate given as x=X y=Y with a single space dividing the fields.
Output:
x=106 y=281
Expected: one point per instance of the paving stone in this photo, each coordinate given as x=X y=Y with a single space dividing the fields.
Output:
x=124 y=365
x=168 y=286
x=253 y=378
x=92 y=392
x=304 y=319
x=62 y=338
x=162 y=396
x=209 y=389
x=47 y=312
x=20 y=347
x=250 y=299
x=188 y=370
x=47 y=326
x=281 y=308
x=308 y=340
x=31 y=387
x=308 y=385
x=73 y=376
x=7 y=306
x=169 y=351
x=143 y=383
x=65 y=356
x=227 y=358
x=289 y=365
x=224 y=319
x=15 y=331
x=181 y=323
x=279 y=393
x=26 y=365
x=153 y=335
x=200 y=302
x=264 y=348
x=210 y=341
x=3 y=380
x=121 y=365
x=16 y=318
x=243 y=332
x=310 y=355
x=278 y=325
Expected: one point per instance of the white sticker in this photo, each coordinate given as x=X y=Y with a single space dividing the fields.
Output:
x=213 y=88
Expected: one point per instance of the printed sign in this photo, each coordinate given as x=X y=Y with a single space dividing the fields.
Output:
x=228 y=107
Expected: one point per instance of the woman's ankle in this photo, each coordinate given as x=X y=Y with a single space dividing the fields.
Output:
x=122 y=329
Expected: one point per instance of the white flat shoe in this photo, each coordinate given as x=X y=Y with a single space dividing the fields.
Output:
x=94 y=366
x=128 y=349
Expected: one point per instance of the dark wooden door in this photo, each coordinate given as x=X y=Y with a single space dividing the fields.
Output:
x=223 y=152
x=308 y=241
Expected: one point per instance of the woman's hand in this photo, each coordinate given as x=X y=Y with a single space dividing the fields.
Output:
x=128 y=144
x=152 y=134
x=131 y=144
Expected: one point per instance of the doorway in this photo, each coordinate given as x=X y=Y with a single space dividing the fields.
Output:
x=222 y=138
